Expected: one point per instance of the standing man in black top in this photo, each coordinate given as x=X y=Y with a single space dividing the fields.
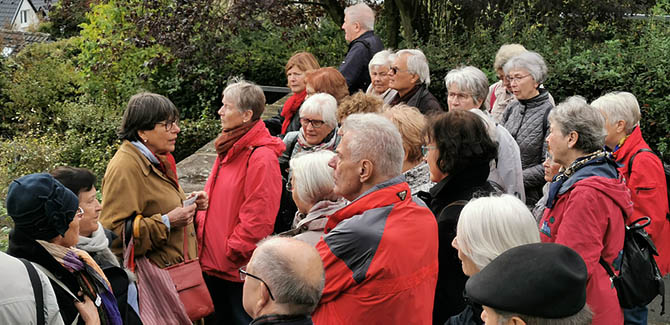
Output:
x=358 y=26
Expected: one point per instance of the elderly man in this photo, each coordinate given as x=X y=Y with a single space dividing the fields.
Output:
x=410 y=76
x=541 y=283
x=282 y=282
x=358 y=26
x=380 y=251
x=644 y=176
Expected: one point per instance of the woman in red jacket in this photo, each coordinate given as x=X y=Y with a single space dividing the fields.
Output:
x=587 y=202
x=244 y=189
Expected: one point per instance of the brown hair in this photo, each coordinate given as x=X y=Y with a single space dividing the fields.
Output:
x=328 y=80
x=411 y=124
x=358 y=103
x=304 y=61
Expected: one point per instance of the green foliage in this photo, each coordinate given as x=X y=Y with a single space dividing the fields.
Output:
x=194 y=134
x=65 y=16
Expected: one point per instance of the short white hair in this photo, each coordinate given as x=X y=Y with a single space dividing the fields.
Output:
x=321 y=104
x=374 y=137
x=362 y=14
x=417 y=64
x=313 y=178
x=488 y=226
x=470 y=80
x=619 y=106
x=531 y=62
x=382 y=58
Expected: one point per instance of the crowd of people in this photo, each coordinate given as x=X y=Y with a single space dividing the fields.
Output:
x=363 y=201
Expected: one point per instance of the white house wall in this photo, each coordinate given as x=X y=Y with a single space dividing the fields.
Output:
x=32 y=20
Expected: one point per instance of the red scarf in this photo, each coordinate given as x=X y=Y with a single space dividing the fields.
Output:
x=290 y=108
x=169 y=167
x=227 y=139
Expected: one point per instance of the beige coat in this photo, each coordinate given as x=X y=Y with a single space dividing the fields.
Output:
x=132 y=186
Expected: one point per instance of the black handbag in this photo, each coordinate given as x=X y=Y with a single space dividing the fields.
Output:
x=639 y=280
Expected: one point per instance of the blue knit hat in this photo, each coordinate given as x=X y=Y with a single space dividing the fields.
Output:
x=41 y=206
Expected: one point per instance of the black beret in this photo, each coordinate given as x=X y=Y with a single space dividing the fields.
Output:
x=41 y=206
x=543 y=280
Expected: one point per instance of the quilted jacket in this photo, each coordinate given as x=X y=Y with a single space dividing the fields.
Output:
x=525 y=121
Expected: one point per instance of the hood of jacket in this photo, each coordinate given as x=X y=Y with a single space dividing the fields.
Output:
x=258 y=136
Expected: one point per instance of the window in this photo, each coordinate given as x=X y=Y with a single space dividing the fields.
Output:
x=24 y=16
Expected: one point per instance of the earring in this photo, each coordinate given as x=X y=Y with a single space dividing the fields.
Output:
x=145 y=140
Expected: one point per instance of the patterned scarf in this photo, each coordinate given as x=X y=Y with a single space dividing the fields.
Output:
x=559 y=179
x=328 y=143
x=290 y=108
x=228 y=138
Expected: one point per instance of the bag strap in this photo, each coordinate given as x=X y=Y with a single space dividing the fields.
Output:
x=545 y=121
x=630 y=161
x=37 y=290
x=60 y=284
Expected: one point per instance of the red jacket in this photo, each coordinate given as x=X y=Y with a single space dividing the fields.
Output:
x=380 y=257
x=648 y=191
x=587 y=217
x=244 y=191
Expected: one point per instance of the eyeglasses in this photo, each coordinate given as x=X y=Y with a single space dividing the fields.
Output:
x=169 y=124
x=244 y=274
x=396 y=70
x=315 y=123
x=459 y=96
x=517 y=79
x=80 y=212
x=425 y=149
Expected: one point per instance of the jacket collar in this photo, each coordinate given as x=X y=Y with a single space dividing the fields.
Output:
x=459 y=185
x=631 y=145
x=282 y=319
x=143 y=161
x=386 y=193
x=361 y=38
x=536 y=101
x=256 y=137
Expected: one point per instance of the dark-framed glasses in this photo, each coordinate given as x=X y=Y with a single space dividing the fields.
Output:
x=315 y=123
x=80 y=212
x=244 y=274
x=426 y=148
x=169 y=125
x=395 y=70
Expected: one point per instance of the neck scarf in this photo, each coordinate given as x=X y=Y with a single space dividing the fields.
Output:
x=97 y=242
x=559 y=179
x=228 y=138
x=290 y=108
x=165 y=163
x=328 y=143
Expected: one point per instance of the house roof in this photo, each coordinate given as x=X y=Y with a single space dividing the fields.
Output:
x=8 y=10
x=12 y=42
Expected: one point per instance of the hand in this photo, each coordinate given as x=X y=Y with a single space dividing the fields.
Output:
x=202 y=201
x=87 y=310
x=181 y=216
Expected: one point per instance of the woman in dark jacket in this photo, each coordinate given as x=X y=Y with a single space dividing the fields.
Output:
x=46 y=227
x=458 y=153
x=526 y=118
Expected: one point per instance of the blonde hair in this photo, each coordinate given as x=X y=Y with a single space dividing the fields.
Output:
x=358 y=103
x=411 y=123
x=505 y=53
x=304 y=61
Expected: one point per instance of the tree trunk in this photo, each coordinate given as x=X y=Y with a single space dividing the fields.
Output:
x=405 y=10
x=392 y=19
x=334 y=10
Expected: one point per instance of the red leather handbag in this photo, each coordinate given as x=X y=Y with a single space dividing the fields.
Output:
x=193 y=293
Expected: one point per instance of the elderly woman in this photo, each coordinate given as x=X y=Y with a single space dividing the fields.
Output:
x=141 y=186
x=411 y=124
x=551 y=169
x=311 y=185
x=526 y=118
x=244 y=188
x=500 y=93
x=93 y=238
x=327 y=80
x=379 y=67
x=466 y=90
x=410 y=76
x=459 y=151
x=358 y=103
x=587 y=202
x=318 y=132
x=46 y=228
x=296 y=69
x=487 y=227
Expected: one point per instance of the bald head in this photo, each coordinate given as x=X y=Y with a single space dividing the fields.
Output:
x=293 y=272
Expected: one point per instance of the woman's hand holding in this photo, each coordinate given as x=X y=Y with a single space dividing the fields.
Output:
x=181 y=216
x=88 y=310
x=202 y=200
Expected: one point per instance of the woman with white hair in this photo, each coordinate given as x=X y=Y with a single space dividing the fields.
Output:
x=487 y=227
x=311 y=184
x=587 y=202
x=318 y=131
x=526 y=118
x=379 y=67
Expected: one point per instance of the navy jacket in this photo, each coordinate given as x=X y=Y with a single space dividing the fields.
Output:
x=354 y=68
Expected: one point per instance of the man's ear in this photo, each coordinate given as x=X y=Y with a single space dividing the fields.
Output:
x=516 y=320
x=572 y=139
x=415 y=78
x=365 y=170
x=263 y=299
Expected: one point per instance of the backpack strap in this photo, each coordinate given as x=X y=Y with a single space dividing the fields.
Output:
x=53 y=278
x=37 y=290
x=630 y=161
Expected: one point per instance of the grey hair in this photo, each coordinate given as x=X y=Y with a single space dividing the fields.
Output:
x=619 y=106
x=471 y=80
x=245 y=96
x=582 y=317
x=507 y=52
x=362 y=14
x=488 y=226
x=373 y=137
x=531 y=62
x=280 y=274
x=575 y=114
x=417 y=64
x=313 y=177
x=382 y=58
x=321 y=104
